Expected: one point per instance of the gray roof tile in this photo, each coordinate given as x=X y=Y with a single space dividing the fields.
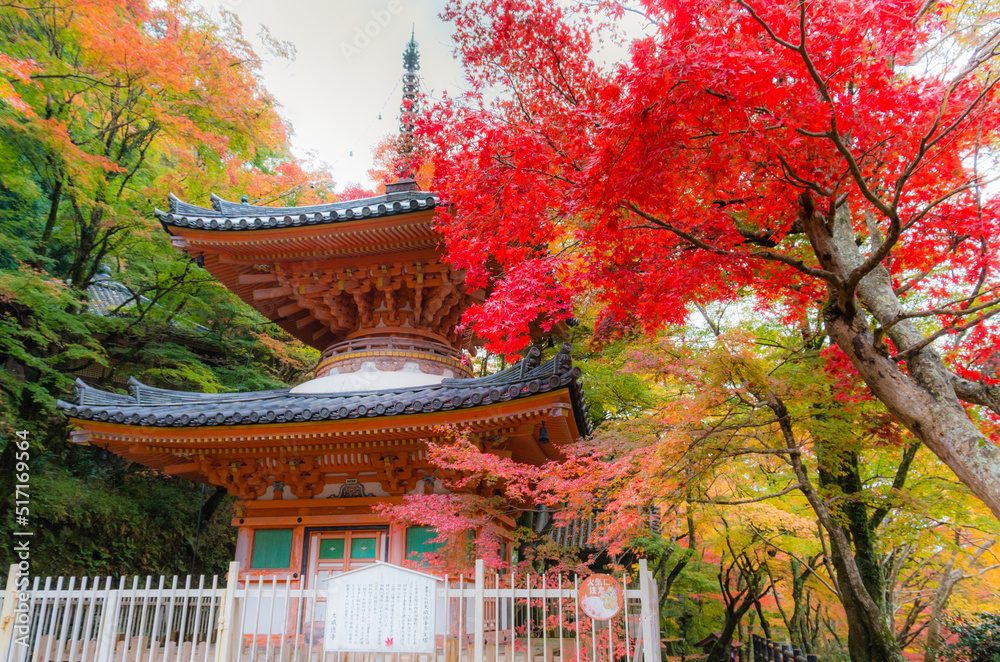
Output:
x=158 y=407
x=226 y=215
x=106 y=297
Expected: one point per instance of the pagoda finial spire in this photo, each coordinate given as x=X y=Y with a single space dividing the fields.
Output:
x=410 y=106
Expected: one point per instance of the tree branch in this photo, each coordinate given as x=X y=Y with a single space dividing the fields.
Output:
x=897 y=483
x=796 y=264
x=738 y=502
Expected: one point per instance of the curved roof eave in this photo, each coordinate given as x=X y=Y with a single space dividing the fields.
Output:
x=155 y=407
x=234 y=216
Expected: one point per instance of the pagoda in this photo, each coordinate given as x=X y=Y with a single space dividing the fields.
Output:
x=364 y=282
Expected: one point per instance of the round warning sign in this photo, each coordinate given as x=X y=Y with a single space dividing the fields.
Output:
x=601 y=597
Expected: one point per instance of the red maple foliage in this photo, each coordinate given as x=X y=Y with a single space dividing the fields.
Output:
x=826 y=157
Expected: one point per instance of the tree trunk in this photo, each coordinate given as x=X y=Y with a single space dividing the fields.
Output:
x=866 y=640
x=88 y=228
x=949 y=578
x=930 y=410
x=213 y=503
x=874 y=638
x=923 y=399
x=666 y=580
x=764 y=624
x=720 y=650
x=50 y=222
x=797 y=627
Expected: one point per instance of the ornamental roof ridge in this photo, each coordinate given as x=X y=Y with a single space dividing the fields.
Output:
x=151 y=406
x=225 y=215
x=141 y=394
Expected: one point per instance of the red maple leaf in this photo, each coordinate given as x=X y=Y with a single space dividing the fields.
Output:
x=715 y=160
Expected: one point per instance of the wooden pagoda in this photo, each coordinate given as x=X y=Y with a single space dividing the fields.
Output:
x=363 y=281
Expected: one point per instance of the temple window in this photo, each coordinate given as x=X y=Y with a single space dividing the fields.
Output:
x=331 y=549
x=363 y=548
x=418 y=543
x=272 y=549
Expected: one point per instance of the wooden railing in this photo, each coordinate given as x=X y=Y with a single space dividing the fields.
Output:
x=765 y=650
x=387 y=343
x=486 y=617
x=389 y=346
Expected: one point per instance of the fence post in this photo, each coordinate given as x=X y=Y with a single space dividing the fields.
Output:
x=226 y=609
x=107 y=633
x=7 y=614
x=480 y=610
x=650 y=619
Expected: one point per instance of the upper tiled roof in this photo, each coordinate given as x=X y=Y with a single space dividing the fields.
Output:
x=225 y=215
x=157 y=407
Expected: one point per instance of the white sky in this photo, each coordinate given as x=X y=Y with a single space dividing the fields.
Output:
x=348 y=66
x=343 y=77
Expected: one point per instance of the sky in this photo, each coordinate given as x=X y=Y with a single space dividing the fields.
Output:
x=347 y=69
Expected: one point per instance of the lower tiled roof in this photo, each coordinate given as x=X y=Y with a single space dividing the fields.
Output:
x=149 y=406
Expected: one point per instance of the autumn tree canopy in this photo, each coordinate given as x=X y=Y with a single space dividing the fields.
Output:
x=107 y=107
x=821 y=169
x=117 y=103
x=829 y=158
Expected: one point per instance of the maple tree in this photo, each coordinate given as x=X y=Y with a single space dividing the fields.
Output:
x=126 y=100
x=743 y=581
x=978 y=639
x=11 y=68
x=881 y=539
x=106 y=107
x=827 y=156
x=389 y=164
x=851 y=522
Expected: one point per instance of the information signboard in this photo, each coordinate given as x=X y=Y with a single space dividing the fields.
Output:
x=381 y=608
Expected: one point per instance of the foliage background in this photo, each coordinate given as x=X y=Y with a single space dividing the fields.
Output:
x=108 y=106
x=111 y=106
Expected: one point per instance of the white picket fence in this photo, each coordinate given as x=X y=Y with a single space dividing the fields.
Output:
x=484 y=618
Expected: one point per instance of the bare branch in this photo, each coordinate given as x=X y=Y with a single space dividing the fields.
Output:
x=796 y=264
x=913 y=349
x=738 y=502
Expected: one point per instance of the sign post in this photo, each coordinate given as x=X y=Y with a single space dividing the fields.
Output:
x=601 y=597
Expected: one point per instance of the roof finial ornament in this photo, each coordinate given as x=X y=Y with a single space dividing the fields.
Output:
x=410 y=106
x=408 y=111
